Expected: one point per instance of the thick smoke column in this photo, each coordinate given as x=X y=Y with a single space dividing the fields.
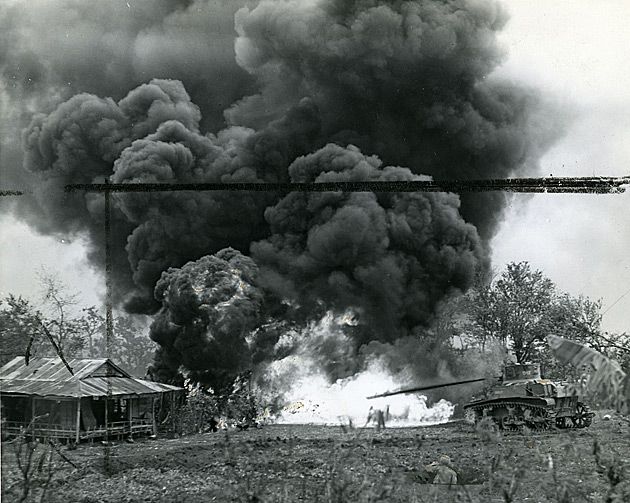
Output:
x=310 y=91
x=150 y=135
x=208 y=308
x=390 y=257
x=153 y=135
x=407 y=80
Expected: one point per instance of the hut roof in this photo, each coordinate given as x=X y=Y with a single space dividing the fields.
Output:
x=92 y=377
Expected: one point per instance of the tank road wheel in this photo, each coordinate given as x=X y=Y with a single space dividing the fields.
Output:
x=563 y=422
x=509 y=421
x=519 y=418
x=582 y=417
x=539 y=419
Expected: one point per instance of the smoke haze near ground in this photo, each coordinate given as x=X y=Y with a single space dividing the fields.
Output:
x=275 y=91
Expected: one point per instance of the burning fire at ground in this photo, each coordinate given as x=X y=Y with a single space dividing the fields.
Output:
x=309 y=396
x=313 y=400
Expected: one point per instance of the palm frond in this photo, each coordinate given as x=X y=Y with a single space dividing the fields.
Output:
x=606 y=378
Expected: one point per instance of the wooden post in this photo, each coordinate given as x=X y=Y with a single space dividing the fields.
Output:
x=172 y=411
x=106 y=420
x=129 y=416
x=78 y=434
x=33 y=418
x=153 y=416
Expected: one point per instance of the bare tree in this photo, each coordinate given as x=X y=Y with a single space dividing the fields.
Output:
x=58 y=305
x=52 y=329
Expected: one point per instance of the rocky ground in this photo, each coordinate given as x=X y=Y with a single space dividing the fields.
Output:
x=333 y=464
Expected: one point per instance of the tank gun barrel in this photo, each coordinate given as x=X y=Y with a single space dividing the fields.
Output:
x=424 y=388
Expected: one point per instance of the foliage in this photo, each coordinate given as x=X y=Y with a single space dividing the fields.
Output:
x=58 y=327
x=50 y=330
x=241 y=404
x=92 y=326
x=514 y=310
x=573 y=318
x=19 y=323
x=196 y=415
x=606 y=378
x=129 y=346
x=24 y=331
x=522 y=307
x=204 y=409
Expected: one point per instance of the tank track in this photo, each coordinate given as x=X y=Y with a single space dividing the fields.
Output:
x=535 y=417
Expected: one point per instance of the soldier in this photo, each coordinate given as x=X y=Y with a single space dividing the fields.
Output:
x=443 y=469
x=378 y=417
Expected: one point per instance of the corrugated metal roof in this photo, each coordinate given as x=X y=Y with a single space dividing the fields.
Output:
x=159 y=387
x=45 y=377
x=40 y=388
x=53 y=369
x=99 y=386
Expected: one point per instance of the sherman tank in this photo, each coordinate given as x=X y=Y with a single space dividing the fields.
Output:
x=522 y=398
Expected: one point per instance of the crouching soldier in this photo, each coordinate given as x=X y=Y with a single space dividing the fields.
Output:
x=443 y=469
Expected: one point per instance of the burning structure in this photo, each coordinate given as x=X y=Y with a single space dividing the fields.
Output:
x=328 y=90
x=43 y=399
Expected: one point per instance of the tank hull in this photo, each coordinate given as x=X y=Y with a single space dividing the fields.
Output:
x=523 y=399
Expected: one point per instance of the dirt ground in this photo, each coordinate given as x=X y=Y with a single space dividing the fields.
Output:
x=334 y=464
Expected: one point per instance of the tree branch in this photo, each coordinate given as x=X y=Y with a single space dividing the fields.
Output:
x=57 y=349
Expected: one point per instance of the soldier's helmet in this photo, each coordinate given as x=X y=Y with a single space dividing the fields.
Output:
x=445 y=461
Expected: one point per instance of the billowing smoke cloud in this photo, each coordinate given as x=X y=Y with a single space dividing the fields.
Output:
x=51 y=51
x=407 y=80
x=153 y=135
x=208 y=309
x=391 y=257
x=306 y=91
x=87 y=137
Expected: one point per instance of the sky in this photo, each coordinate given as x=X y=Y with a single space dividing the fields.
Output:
x=574 y=50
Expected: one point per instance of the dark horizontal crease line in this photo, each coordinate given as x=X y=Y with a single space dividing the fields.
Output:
x=601 y=185
x=11 y=193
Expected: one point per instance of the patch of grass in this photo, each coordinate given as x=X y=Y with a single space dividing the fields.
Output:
x=332 y=464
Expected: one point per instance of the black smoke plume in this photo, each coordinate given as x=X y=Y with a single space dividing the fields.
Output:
x=410 y=81
x=389 y=257
x=208 y=309
x=303 y=91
